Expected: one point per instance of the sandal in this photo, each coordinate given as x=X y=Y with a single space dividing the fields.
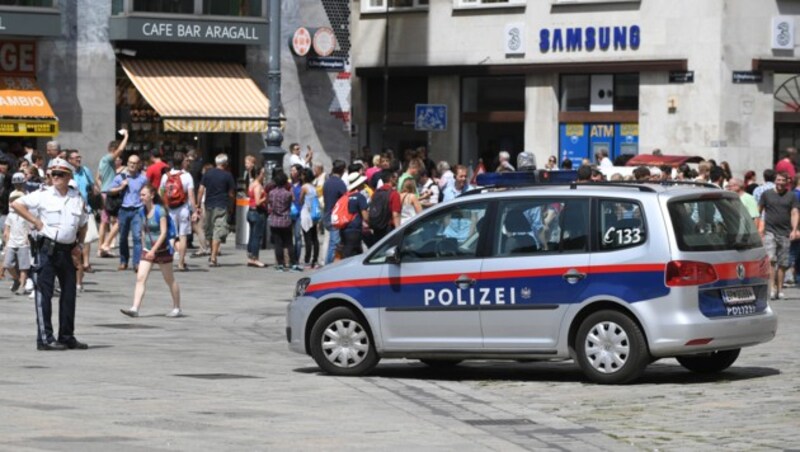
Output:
x=182 y=268
x=213 y=263
x=88 y=269
x=256 y=264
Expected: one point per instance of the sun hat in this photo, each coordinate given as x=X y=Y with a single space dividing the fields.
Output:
x=354 y=180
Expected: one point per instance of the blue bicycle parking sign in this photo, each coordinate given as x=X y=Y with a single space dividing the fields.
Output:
x=430 y=117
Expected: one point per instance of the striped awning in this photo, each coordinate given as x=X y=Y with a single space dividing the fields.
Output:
x=199 y=96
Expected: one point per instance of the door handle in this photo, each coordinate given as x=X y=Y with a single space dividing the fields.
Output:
x=464 y=282
x=572 y=276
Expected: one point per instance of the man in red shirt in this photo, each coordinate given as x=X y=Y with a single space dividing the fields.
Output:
x=156 y=168
x=389 y=179
x=786 y=163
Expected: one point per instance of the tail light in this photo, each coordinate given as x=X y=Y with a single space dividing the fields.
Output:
x=690 y=273
x=764 y=268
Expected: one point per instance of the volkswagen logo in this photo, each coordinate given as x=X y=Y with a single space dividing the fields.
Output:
x=740 y=271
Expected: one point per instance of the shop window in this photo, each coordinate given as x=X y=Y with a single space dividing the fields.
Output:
x=577 y=92
x=379 y=6
x=241 y=8
x=164 y=6
x=626 y=92
x=458 y=4
x=787 y=93
x=484 y=94
x=31 y=3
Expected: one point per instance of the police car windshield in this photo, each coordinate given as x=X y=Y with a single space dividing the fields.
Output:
x=713 y=225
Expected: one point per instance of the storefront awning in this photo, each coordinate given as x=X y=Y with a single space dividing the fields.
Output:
x=659 y=160
x=24 y=110
x=195 y=96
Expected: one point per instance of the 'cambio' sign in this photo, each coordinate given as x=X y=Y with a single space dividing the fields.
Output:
x=589 y=38
x=18 y=57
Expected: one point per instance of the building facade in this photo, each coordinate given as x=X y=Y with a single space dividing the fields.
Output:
x=175 y=73
x=572 y=77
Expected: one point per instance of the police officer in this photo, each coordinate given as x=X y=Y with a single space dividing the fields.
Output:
x=58 y=213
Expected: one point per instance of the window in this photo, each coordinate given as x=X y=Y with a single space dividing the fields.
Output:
x=713 y=225
x=241 y=8
x=451 y=234
x=32 y=3
x=487 y=3
x=379 y=6
x=543 y=225
x=484 y=94
x=621 y=225
x=576 y=91
x=164 y=6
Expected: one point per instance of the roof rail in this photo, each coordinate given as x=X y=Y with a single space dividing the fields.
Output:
x=687 y=182
x=572 y=185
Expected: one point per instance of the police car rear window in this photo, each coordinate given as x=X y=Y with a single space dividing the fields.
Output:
x=714 y=224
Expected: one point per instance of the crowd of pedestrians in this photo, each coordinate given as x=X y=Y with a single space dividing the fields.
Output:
x=164 y=209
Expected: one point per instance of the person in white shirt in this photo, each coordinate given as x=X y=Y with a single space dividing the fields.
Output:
x=18 y=249
x=295 y=159
x=602 y=159
x=181 y=203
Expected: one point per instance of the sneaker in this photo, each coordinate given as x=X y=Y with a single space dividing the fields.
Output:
x=280 y=268
x=15 y=286
x=80 y=288
x=130 y=312
x=175 y=313
x=296 y=269
x=32 y=295
x=28 y=285
x=781 y=296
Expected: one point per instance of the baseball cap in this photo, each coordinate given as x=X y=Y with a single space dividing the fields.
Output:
x=18 y=178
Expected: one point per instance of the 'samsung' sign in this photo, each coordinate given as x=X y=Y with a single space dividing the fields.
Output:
x=589 y=38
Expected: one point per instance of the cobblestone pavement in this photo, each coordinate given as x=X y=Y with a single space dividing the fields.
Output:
x=221 y=378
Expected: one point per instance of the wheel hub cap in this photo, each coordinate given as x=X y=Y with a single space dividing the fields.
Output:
x=345 y=343
x=607 y=347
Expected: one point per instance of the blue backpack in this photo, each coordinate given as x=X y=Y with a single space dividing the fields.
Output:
x=171 y=231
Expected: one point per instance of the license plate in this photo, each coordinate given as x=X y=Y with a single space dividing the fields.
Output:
x=740 y=309
x=738 y=296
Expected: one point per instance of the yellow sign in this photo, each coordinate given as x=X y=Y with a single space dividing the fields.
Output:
x=602 y=130
x=629 y=130
x=21 y=128
x=574 y=130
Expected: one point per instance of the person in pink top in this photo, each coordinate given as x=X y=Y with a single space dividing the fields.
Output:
x=786 y=163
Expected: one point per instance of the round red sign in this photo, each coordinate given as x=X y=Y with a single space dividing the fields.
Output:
x=301 y=41
x=324 y=41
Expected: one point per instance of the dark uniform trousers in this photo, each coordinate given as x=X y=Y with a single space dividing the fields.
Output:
x=60 y=265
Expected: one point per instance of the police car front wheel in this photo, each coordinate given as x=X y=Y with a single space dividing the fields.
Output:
x=611 y=348
x=341 y=344
x=709 y=363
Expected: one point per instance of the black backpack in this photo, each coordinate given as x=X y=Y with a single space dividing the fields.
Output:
x=380 y=215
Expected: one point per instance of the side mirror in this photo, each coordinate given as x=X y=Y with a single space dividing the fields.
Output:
x=393 y=255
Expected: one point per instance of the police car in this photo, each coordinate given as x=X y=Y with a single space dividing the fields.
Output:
x=613 y=276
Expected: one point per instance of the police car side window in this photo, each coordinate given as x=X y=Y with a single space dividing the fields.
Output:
x=622 y=224
x=542 y=225
x=450 y=234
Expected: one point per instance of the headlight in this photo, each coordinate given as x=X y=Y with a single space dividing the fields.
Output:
x=300 y=288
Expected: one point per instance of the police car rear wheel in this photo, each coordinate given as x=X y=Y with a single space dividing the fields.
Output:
x=341 y=345
x=709 y=363
x=611 y=348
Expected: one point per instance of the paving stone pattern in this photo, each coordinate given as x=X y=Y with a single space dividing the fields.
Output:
x=221 y=378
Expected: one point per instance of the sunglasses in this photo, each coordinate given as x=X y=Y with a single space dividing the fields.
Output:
x=59 y=173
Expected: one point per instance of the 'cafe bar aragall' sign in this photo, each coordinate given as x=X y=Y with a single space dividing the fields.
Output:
x=195 y=31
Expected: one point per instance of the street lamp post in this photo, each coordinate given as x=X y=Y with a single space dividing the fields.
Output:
x=273 y=154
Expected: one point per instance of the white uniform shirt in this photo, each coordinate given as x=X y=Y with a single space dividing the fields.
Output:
x=62 y=216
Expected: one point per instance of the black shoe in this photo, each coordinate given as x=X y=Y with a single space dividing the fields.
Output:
x=74 y=344
x=52 y=346
x=15 y=285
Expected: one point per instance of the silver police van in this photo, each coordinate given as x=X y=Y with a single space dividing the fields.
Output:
x=613 y=276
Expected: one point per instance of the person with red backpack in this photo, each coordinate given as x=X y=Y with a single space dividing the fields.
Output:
x=351 y=234
x=177 y=190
